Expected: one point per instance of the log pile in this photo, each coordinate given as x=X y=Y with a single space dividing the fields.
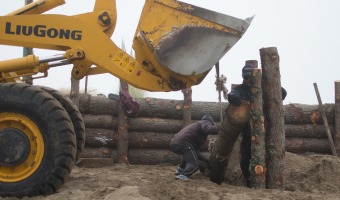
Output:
x=149 y=133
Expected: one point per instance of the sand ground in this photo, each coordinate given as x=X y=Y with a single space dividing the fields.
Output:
x=307 y=177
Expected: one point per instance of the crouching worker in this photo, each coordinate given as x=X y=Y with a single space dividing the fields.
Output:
x=187 y=143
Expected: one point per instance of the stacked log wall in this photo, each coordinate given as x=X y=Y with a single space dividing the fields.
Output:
x=159 y=119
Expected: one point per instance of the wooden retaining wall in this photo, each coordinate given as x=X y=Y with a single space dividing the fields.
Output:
x=149 y=133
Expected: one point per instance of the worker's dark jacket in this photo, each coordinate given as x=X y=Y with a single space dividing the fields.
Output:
x=194 y=135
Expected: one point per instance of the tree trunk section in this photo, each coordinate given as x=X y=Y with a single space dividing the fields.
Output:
x=151 y=107
x=252 y=63
x=307 y=114
x=187 y=105
x=337 y=117
x=257 y=161
x=96 y=105
x=122 y=137
x=173 y=109
x=304 y=145
x=136 y=156
x=274 y=118
x=306 y=131
x=234 y=121
x=74 y=93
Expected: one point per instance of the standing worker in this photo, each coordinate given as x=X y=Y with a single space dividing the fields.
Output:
x=187 y=143
x=240 y=93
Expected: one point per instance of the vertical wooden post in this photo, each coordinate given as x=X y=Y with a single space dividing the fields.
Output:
x=337 y=117
x=257 y=162
x=28 y=51
x=252 y=63
x=187 y=105
x=324 y=118
x=273 y=117
x=122 y=136
x=74 y=93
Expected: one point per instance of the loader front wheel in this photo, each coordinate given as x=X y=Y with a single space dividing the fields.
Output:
x=75 y=116
x=37 y=142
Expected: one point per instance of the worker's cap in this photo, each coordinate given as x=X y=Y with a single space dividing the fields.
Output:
x=246 y=71
x=208 y=118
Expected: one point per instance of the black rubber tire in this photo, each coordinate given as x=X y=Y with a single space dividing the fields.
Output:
x=75 y=115
x=58 y=135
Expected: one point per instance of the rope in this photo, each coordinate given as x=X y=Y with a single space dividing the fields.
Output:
x=220 y=87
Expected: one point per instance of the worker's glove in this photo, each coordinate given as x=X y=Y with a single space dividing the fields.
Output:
x=234 y=98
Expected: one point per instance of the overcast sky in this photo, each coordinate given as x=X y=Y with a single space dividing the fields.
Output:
x=305 y=32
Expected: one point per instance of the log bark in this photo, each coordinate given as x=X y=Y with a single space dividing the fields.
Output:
x=257 y=161
x=134 y=124
x=152 y=156
x=307 y=114
x=252 y=63
x=136 y=156
x=234 y=121
x=172 y=126
x=295 y=113
x=303 y=145
x=155 y=125
x=151 y=140
x=337 y=117
x=96 y=105
x=293 y=145
x=74 y=93
x=108 y=138
x=122 y=136
x=306 y=131
x=150 y=107
x=274 y=118
x=101 y=137
x=100 y=121
x=187 y=105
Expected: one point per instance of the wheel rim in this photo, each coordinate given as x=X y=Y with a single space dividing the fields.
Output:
x=17 y=127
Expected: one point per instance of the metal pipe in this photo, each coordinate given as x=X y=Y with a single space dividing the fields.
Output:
x=52 y=58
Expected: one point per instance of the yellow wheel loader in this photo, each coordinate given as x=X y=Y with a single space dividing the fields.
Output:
x=42 y=132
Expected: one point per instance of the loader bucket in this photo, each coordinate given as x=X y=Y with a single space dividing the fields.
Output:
x=185 y=39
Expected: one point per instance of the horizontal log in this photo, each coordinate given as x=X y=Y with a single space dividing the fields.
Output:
x=156 y=156
x=307 y=131
x=100 y=137
x=150 y=107
x=100 y=121
x=307 y=114
x=97 y=105
x=303 y=145
x=294 y=113
x=174 y=126
x=152 y=156
x=136 y=156
x=134 y=124
x=107 y=138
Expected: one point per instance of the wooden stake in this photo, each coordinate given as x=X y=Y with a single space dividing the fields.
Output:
x=257 y=161
x=122 y=137
x=187 y=105
x=330 y=139
x=273 y=117
x=337 y=117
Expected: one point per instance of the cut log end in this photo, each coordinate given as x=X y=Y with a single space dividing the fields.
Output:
x=238 y=114
x=259 y=169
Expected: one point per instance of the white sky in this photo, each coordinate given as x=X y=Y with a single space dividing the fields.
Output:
x=305 y=32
